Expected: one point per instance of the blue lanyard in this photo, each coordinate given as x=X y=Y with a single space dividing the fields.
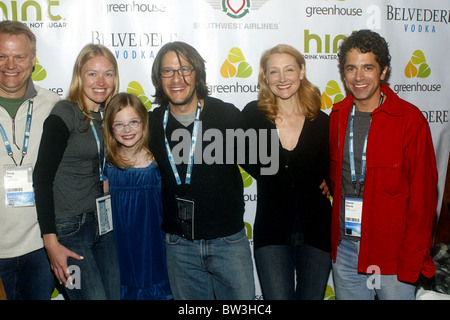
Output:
x=362 y=176
x=26 y=138
x=191 y=152
x=100 y=162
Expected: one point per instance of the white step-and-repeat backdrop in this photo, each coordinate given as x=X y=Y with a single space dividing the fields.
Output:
x=232 y=34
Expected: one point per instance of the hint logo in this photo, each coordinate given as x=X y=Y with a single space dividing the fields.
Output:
x=18 y=12
x=417 y=66
x=331 y=95
x=236 y=57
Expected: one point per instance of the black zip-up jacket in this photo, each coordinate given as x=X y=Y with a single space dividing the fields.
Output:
x=216 y=189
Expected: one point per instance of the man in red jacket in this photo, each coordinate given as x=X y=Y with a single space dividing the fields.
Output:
x=384 y=179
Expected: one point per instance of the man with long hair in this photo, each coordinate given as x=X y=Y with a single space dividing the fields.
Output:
x=208 y=253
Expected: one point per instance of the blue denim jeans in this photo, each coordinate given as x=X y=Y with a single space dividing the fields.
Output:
x=220 y=268
x=27 y=277
x=351 y=285
x=279 y=266
x=97 y=276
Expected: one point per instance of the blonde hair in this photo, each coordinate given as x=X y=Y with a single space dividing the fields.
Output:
x=117 y=103
x=76 y=94
x=17 y=28
x=308 y=94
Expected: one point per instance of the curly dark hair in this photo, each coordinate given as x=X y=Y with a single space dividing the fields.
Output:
x=366 y=41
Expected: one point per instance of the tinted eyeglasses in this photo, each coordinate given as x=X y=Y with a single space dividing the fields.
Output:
x=183 y=71
x=119 y=126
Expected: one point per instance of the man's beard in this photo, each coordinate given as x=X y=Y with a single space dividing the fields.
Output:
x=185 y=101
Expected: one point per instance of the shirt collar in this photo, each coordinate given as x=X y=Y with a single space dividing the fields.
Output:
x=31 y=90
x=390 y=104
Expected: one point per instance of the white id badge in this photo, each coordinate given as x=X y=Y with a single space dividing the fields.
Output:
x=353 y=215
x=104 y=215
x=18 y=186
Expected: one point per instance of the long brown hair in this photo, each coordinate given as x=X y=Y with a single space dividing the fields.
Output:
x=117 y=103
x=308 y=94
x=191 y=55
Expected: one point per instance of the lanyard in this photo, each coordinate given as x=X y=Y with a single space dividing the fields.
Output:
x=26 y=138
x=362 y=176
x=191 y=152
x=100 y=162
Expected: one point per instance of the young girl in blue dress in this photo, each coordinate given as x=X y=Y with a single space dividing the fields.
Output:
x=134 y=183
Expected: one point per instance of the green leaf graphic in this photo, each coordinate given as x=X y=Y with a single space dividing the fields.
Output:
x=246 y=178
x=135 y=88
x=424 y=71
x=146 y=101
x=236 y=55
x=332 y=88
x=39 y=72
x=418 y=57
x=410 y=70
x=244 y=70
x=329 y=293
x=338 y=98
x=227 y=70
x=326 y=102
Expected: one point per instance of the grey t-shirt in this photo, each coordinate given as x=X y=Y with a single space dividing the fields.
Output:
x=185 y=120
x=77 y=181
x=361 y=125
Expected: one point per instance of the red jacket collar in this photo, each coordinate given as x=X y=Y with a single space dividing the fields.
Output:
x=390 y=105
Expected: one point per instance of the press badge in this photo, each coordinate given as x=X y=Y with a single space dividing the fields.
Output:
x=186 y=217
x=353 y=215
x=18 y=186
x=104 y=215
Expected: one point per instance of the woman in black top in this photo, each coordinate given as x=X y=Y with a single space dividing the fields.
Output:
x=292 y=224
x=68 y=179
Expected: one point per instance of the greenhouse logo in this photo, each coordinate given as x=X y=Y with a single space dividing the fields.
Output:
x=236 y=57
x=331 y=95
x=417 y=66
x=235 y=66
